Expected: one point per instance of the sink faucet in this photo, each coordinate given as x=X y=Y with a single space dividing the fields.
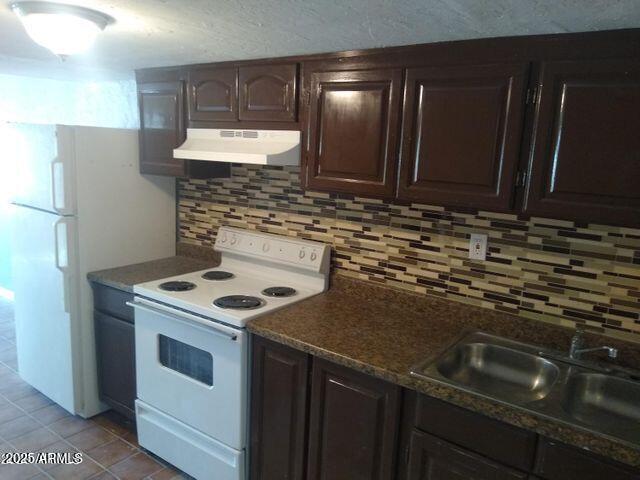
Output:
x=577 y=343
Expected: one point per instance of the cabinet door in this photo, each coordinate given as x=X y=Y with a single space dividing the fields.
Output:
x=433 y=459
x=278 y=411
x=462 y=131
x=213 y=94
x=586 y=146
x=161 y=127
x=268 y=93
x=116 y=355
x=353 y=131
x=353 y=425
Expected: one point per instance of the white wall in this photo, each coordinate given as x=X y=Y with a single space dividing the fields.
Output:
x=42 y=100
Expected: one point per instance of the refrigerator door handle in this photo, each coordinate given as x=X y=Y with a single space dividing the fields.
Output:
x=61 y=265
x=55 y=166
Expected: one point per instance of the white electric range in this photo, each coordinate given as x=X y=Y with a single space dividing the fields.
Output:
x=192 y=348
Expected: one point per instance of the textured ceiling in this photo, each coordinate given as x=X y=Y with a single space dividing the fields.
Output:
x=169 y=32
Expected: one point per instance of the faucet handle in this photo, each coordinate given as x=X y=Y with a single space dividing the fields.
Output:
x=578 y=336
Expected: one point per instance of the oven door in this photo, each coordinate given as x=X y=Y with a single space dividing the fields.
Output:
x=192 y=369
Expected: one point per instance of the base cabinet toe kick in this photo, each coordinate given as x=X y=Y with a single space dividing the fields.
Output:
x=312 y=419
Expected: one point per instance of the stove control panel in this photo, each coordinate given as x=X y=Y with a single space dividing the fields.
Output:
x=286 y=250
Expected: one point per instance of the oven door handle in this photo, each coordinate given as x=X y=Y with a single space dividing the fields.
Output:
x=183 y=317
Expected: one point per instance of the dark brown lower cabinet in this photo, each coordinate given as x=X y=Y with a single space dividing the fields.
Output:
x=556 y=461
x=353 y=419
x=115 y=345
x=312 y=419
x=509 y=445
x=431 y=458
x=278 y=411
x=353 y=426
x=441 y=441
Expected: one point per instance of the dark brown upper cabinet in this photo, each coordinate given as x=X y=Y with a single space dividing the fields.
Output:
x=353 y=425
x=268 y=93
x=585 y=157
x=161 y=127
x=462 y=130
x=161 y=100
x=353 y=124
x=213 y=94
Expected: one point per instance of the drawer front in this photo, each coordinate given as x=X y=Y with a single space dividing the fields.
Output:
x=435 y=459
x=509 y=445
x=557 y=461
x=113 y=302
x=187 y=448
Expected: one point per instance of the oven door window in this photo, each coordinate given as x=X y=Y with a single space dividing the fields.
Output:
x=186 y=359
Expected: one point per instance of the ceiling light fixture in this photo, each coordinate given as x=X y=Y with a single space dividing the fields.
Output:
x=63 y=29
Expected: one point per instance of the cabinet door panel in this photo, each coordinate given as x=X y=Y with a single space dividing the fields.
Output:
x=268 y=93
x=461 y=135
x=213 y=94
x=433 y=459
x=161 y=127
x=116 y=355
x=586 y=147
x=278 y=411
x=353 y=425
x=353 y=129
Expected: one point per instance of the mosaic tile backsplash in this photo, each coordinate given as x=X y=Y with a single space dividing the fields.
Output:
x=550 y=270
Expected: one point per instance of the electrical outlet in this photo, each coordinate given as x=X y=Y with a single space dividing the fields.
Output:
x=478 y=246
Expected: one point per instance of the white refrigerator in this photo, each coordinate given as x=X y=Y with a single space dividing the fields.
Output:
x=79 y=204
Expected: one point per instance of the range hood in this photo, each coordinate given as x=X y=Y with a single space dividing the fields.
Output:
x=261 y=147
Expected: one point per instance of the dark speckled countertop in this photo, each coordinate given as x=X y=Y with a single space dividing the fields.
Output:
x=188 y=259
x=384 y=332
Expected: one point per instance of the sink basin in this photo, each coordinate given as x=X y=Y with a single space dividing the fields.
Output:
x=541 y=381
x=499 y=371
x=610 y=403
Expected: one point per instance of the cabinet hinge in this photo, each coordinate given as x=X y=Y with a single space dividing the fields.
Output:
x=521 y=178
x=532 y=96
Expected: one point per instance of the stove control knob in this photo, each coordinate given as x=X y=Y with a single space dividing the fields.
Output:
x=265 y=247
x=223 y=238
x=313 y=256
x=301 y=254
x=234 y=240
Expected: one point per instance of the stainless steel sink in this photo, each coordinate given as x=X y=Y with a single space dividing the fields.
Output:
x=499 y=371
x=604 y=400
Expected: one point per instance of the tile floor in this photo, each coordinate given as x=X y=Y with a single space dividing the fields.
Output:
x=30 y=422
